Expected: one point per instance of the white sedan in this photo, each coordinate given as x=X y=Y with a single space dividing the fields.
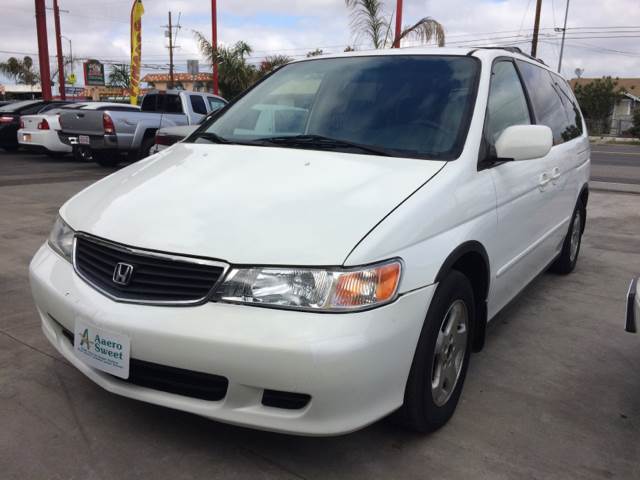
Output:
x=39 y=132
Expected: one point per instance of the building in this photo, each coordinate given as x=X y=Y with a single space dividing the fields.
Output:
x=198 y=82
x=20 y=92
x=623 y=110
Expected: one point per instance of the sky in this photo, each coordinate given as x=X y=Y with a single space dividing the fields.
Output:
x=100 y=29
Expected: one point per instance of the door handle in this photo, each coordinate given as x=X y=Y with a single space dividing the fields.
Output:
x=555 y=175
x=543 y=181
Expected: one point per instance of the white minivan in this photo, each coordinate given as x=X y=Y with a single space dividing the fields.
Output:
x=316 y=272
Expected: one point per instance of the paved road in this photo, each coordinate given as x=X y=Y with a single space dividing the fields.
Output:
x=615 y=163
x=555 y=394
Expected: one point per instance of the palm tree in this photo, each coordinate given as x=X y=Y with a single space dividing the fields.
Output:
x=270 y=63
x=20 y=70
x=369 y=19
x=119 y=76
x=235 y=73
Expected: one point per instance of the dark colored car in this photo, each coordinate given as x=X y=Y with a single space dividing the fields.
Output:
x=10 y=119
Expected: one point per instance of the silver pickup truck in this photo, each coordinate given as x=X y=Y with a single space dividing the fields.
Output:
x=108 y=135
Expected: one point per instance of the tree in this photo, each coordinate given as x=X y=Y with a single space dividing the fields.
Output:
x=314 y=53
x=368 y=19
x=596 y=100
x=20 y=70
x=270 y=63
x=119 y=76
x=235 y=73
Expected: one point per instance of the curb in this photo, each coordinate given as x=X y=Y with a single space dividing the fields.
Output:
x=615 y=187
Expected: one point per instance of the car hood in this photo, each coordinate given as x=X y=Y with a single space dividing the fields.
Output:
x=246 y=204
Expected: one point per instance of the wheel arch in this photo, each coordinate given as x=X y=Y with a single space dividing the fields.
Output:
x=471 y=259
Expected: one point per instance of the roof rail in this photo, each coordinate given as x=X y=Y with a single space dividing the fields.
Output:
x=508 y=49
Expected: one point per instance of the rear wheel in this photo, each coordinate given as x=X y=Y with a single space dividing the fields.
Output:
x=145 y=148
x=106 y=159
x=568 y=258
x=442 y=356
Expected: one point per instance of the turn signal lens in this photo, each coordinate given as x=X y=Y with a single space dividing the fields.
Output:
x=334 y=289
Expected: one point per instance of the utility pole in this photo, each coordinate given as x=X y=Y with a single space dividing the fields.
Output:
x=43 y=50
x=214 y=44
x=56 y=16
x=396 y=41
x=536 y=29
x=564 y=32
x=170 y=53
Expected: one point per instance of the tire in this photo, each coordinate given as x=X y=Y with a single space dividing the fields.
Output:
x=106 y=159
x=566 y=262
x=428 y=405
x=10 y=148
x=145 y=148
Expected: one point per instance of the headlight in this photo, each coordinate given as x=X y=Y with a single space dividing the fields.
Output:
x=314 y=289
x=61 y=239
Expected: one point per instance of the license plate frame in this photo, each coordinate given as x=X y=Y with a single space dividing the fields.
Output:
x=102 y=349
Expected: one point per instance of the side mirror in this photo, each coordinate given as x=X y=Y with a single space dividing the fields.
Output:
x=524 y=142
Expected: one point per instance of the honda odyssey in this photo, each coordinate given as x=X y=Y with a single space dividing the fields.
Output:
x=329 y=248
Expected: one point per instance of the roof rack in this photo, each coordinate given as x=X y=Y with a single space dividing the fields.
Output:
x=508 y=49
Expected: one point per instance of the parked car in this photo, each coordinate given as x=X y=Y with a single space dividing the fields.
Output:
x=314 y=273
x=104 y=136
x=167 y=136
x=5 y=102
x=10 y=119
x=40 y=133
x=633 y=306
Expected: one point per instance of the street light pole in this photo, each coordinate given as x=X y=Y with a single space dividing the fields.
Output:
x=56 y=18
x=396 y=41
x=43 y=49
x=564 y=32
x=70 y=52
x=214 y=44
x=536 y=29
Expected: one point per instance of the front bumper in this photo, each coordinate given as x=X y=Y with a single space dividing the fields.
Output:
x=353 y=365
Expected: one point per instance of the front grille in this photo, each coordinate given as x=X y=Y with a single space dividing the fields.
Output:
x=154 y=278
x=189 y=383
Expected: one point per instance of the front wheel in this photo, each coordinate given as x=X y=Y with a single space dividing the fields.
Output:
x=568 y=258
x=442 y=356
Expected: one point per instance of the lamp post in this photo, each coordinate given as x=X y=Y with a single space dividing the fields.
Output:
x=214 y=43
x=70 y=52
x=564 y=32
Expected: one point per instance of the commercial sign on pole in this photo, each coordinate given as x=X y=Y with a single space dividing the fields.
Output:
x=136 y=50
x=93 y=73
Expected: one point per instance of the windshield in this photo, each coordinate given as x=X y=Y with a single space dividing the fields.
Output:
x=11 y=107
x=398 y=105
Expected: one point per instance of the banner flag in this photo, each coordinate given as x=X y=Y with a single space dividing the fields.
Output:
x=136 y=50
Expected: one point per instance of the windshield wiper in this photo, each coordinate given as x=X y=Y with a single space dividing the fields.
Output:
x=212 y=137
x=320 y=141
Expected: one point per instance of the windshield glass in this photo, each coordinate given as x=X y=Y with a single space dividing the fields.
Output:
x=11 y=107
x=401 y=105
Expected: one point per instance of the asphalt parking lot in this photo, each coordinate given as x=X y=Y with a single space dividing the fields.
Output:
x=554 y=394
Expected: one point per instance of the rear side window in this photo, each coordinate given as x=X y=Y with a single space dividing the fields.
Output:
x=149 y=103
x=545 y=97
x=197 y=104
x=172 y=104
x=507 y=102
x=574 y=127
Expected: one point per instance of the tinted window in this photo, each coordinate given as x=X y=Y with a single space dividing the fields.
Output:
x=149 y=103
x=574 y=127
x=215 y=103
x=547 y=105
x=507 y=102
x=197 y=104
x=172 y=104
x=411 y=105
